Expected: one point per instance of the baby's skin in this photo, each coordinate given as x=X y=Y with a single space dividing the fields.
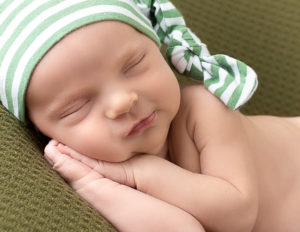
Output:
x=232 y=172
x=157 y=158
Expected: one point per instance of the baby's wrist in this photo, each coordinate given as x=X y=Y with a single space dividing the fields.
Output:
x=147 y=170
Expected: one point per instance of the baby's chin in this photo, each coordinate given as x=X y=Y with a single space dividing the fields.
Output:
x=157 y=148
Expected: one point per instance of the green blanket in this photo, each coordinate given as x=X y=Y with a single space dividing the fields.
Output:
x=263 y=33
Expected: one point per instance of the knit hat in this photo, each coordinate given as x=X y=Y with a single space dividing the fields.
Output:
x=29 y=28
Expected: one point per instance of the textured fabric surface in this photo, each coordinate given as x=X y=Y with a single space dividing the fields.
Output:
x=32 y=196
x=263 y=33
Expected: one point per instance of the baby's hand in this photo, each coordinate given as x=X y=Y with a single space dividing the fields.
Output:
x=84 y=176
x=142 y=172
x=75 y=168
x=103 y=185
x=79 y=169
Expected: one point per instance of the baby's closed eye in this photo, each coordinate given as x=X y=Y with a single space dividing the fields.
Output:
x=74 y=107
x=133 y=66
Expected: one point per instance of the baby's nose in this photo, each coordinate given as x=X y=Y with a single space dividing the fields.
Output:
x=120 y=103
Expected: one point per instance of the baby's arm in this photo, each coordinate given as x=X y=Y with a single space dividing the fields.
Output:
x=126 y=208
x=223 y=197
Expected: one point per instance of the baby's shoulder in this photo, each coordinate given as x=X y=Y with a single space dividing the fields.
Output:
x=206 y=115
x=190 y=93
x=199 y=102
x=198 y=109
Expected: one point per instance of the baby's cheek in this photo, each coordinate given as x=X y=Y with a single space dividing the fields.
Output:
x=102 y=148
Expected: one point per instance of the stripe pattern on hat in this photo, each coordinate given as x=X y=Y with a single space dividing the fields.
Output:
x=231 y=80
x=29 y=28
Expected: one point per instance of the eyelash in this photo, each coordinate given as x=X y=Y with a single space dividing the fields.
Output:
x=72 y=111
x=140 y=59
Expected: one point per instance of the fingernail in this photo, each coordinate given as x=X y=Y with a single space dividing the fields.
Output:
x=49 y=160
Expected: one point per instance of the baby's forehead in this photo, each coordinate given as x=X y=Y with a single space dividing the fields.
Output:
x=100 y=42
x=73 y=64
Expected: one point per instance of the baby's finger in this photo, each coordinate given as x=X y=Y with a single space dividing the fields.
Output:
x=51 y=151
x=70 y=169
x=76 y=155
x=121 y=173
x=53 y=142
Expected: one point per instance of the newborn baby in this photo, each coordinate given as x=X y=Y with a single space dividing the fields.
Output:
x=182 y=147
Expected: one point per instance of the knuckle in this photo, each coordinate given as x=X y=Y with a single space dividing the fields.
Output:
x=60 y=162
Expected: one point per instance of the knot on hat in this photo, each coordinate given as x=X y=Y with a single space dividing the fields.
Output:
x=184 y=51
x=229 y=79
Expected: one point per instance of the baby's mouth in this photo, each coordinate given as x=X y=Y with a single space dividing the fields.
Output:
x=142 y=125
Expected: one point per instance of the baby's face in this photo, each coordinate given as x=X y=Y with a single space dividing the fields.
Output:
x=106 y=91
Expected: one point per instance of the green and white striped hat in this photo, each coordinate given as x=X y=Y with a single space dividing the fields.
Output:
x=29 y=28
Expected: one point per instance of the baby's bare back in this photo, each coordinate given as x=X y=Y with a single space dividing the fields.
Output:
x=276 y=145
